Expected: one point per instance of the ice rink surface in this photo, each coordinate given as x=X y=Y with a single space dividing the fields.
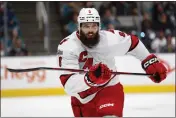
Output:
x=136 y=105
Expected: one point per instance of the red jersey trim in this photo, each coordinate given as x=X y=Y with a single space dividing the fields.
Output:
x=77 y=34
x=64 y=78
x=92 y=89
x=134 y=42
x=89 y=91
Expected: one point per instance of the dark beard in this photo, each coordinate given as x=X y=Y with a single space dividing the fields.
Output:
x=89 y=42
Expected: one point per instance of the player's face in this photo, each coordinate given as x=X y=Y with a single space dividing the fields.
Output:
x=89 y=34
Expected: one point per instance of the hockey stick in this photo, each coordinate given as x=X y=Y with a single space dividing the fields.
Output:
x=71 y=70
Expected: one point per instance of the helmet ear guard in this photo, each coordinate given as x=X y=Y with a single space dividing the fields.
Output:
x=88 y=15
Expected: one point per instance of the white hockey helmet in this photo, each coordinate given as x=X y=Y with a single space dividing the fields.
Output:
x=88 y=15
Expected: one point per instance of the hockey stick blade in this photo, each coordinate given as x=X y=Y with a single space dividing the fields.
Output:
x=71 y=70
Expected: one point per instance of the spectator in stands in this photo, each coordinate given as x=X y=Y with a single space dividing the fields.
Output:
x=66 y=12
x=164 y=23
x=146 y=23
x=169 y=9
x=103 y=8
x=159 y=43
x=11 y=17
x=2 y=44
x=2 y=49
x=121 y=7
x=160 y=19
x=16 y=34
x=18 y=49
x=133 y=8
x=72 y=25
x=13 y=27
x=157 y=10
x=76 y=6
x=110 y=26
x=124 y=8
x=108 y=18
x=146 y=27
x=89 y=4
x=170 y=47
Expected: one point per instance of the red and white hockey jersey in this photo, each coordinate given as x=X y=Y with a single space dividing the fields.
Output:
x=73 y=54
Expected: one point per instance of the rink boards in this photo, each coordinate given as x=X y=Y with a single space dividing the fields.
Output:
x=46 y=82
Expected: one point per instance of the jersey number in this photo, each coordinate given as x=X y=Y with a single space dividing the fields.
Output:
x=120 y=33
x=82 y=58
x=60 y=61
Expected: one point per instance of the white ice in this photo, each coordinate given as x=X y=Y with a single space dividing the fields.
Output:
x=136 y=105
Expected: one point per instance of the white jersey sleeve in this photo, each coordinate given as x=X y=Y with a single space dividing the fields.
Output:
x=73 y=82
x=140 y=51
x=136 y=48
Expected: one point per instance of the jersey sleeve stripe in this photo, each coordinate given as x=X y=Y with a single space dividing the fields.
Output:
x=134 y=42
x=64 y=78
x=89 y=91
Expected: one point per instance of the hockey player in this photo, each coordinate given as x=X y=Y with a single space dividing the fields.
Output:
x=98 y=93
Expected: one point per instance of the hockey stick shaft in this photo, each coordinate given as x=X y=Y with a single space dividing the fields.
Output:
x=71 y=70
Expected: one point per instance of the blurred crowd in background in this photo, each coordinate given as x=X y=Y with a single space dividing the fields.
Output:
x=156 y=26
x=14 y=44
